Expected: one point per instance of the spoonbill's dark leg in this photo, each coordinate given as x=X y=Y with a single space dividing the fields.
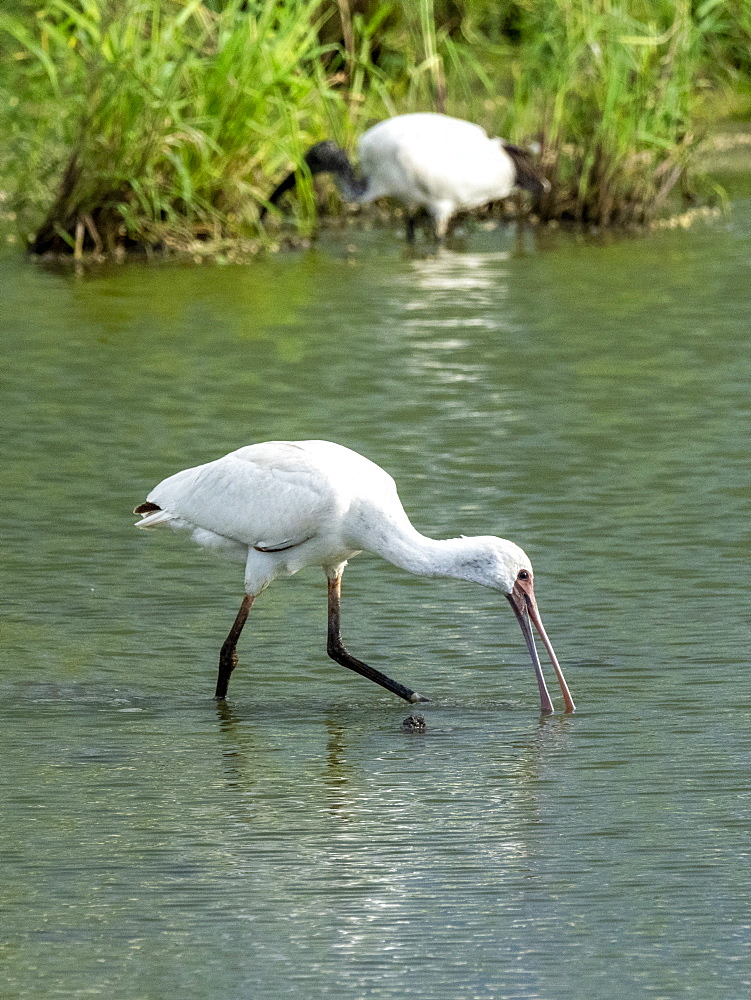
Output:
x=228 y=655
x=337 y=652
x=410 y=226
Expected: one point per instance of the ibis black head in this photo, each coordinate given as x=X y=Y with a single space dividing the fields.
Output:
x=324 y=158
x=528 y=174
x=327 y=158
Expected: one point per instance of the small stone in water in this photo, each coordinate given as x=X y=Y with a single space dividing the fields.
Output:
x=414 y=724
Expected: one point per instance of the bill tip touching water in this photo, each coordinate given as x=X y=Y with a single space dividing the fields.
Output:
x=280 y=506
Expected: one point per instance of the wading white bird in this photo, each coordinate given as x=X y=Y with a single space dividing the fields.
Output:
x=426 y=161
x=280 y=506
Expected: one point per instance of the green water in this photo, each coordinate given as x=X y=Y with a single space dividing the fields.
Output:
x=588 y=399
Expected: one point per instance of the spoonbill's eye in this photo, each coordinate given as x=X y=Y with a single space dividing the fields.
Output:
x=523 y=575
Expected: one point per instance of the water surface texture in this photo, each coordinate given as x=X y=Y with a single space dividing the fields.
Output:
x=588 y=399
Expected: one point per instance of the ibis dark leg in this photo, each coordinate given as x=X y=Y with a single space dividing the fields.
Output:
x=418 y=217
x=337 y=652
x=228 y=655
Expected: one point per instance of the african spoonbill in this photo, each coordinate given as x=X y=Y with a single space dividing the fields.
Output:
x=280 y=506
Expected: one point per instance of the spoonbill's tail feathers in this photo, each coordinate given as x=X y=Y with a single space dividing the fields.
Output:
x=152 y=515
x=528 y=174
x=146 y=508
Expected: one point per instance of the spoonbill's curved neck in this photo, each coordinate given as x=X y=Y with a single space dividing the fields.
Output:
x=395 y=539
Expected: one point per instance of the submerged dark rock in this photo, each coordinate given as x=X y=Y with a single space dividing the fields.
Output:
x=414 y=724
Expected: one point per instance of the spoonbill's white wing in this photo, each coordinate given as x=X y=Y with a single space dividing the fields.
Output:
x=267 y=496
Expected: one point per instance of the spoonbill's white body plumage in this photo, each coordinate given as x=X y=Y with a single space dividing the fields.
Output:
x=426 y=161
x=280 y=506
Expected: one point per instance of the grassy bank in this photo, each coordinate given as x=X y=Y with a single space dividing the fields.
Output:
x=158 y=122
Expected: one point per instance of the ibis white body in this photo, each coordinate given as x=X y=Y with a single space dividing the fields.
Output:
x=435 y=162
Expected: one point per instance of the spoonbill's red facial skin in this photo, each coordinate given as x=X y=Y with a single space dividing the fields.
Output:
x=522 y=600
